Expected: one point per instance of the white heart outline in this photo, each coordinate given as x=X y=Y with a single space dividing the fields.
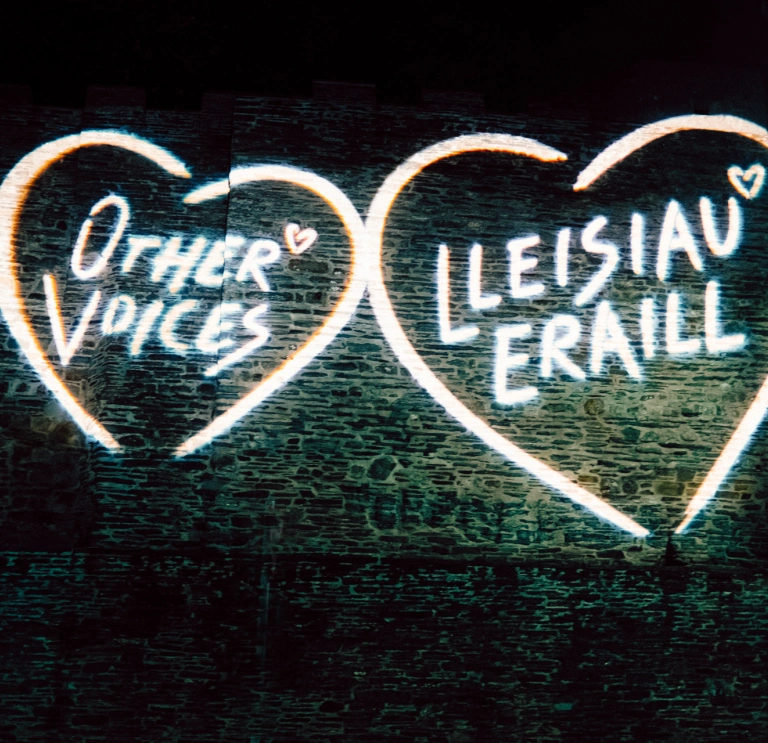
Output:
x=409 y=357
x=605 y=161
x=293 y=232
x=345 y=307
x=739 y=178
x=13 y=191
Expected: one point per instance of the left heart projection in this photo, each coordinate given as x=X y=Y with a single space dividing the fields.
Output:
x=159 y=321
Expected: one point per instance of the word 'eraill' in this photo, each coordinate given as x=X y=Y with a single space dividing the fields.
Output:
x=610 y=331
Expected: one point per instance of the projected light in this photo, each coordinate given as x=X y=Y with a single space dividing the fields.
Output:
x=119 y=315
x=260 y=254
x=591 y=244
x=554 y=343
x=13 y=193
x=673 y=250
x=477 y=299
x=448 y=335
x=587 y=337
x=100 y=263
x=385 y=314
x=748 y=183
x=66 y=348
x=171 y=320
x=175 y=262
x=608 y=337
x=733 y=235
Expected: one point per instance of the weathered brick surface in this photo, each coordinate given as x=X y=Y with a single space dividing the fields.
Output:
x=171 y=647
x=348 y=562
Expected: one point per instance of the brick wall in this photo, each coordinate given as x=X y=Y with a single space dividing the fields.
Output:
x=348 y=561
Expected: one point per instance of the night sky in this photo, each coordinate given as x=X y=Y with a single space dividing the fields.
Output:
x=514 y=53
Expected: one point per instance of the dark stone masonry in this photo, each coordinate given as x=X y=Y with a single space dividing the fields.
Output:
x=347 y=561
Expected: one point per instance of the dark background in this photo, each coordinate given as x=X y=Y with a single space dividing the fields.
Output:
x=514 y=53
x=111 y=630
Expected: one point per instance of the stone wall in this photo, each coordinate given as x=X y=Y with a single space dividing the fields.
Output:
x=348 y=561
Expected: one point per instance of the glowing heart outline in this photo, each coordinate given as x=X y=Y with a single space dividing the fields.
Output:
x=609 y=157
x=18 y=181
x=410 y=358
x=306 y=238
x=739 y=178
x=13 y=191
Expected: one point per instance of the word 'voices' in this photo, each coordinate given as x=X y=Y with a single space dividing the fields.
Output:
x=174 y=261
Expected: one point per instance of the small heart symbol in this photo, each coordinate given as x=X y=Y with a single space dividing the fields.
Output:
x=740 y=178
x=299 y=240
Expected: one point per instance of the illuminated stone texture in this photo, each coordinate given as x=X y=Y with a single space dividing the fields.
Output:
x=420 y=587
